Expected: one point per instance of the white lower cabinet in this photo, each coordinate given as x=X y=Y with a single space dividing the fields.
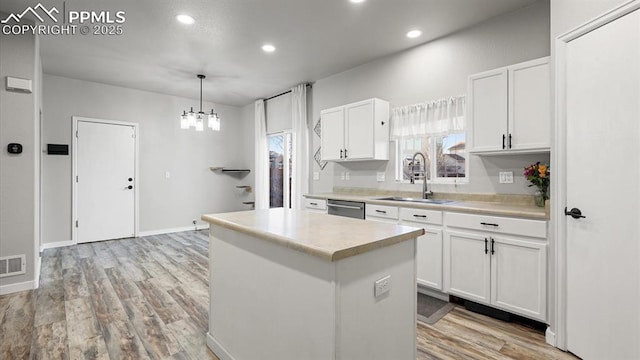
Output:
x=506 y=271
x=429 y=245
x=315 y=205
x=468 y=268
x=381 y=213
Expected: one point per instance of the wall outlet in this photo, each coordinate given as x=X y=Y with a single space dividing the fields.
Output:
x=347 y=176
x=380 y=176
x=316 y=175
x=167 y=175
x=194 y=221
x=382 y=286
x=506 y=177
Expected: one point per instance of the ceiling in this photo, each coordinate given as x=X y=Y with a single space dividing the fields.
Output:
x=314 y=39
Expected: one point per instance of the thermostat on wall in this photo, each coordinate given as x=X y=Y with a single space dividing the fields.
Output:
x=19 y=85
x=14 y=148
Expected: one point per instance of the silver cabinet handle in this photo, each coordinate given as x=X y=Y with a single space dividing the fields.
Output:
x=345 y=206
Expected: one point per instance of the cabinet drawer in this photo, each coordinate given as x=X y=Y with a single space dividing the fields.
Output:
x=381 y=211
x=497 y=224
x=318 y=204
x=421 y=216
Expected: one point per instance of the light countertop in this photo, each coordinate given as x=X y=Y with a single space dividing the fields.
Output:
x=473 y=207
x=326 y=236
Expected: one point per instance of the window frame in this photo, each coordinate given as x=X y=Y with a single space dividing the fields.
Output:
x=433 y=167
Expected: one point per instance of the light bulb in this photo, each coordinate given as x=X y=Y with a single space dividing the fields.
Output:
x=199 y=125
x=184 y=121
x=214 y=122
x=191 y=116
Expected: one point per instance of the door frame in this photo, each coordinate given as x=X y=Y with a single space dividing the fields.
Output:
x=74 y=172
x=557 y=334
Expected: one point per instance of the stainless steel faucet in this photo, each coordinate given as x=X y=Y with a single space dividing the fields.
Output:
x=425 y=192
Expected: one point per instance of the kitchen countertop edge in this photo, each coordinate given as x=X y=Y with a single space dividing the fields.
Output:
x=480 y=208
x=323 y=253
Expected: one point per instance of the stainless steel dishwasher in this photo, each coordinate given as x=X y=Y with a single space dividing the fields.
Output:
x=352 y=209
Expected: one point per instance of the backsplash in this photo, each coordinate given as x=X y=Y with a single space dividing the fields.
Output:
x=483 y=176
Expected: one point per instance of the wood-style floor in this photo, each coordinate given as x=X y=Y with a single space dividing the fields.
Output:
x=148 y=298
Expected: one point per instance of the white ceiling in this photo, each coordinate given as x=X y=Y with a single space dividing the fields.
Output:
x=314 y=39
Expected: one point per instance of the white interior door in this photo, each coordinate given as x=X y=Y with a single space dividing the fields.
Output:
x=602 y=175
x=106 y=186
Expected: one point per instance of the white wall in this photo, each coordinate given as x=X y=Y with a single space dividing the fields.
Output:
x=432 y=71
x=569 y=14
x=192 y=189
x=18 y=173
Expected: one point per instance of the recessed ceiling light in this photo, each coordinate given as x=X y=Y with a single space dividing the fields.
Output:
x=185 y=19
x=357 y=1
x=414 y=34
x=268 y=48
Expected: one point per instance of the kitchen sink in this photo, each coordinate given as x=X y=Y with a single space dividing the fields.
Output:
x=425 y=201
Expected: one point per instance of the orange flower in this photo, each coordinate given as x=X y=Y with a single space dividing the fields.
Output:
x=542 y=169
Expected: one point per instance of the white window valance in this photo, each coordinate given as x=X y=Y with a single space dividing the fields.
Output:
x=429 y=118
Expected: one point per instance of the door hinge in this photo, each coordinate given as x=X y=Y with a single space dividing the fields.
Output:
x=76 y=133
x=76 y=223
x=76 y=178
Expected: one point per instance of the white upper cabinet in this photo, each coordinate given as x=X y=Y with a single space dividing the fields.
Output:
x=509 y=109
x=357 y=131
x=332 y=140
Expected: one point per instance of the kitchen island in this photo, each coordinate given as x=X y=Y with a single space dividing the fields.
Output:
x=288 y=284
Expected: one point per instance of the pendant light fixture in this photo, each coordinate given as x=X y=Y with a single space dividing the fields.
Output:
x=192 y=119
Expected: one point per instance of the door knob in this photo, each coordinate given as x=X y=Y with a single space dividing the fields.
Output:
x=130 y=179
x=574 y=213
x=130 y=187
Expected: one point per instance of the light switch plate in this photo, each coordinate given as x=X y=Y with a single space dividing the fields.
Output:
x=506 y=177
x=316 y=175
x=380 y=176
x=167 y=175
x=347 y=176
x=342 y=175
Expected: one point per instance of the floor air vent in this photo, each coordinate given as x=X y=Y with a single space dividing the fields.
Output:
x=12 y=265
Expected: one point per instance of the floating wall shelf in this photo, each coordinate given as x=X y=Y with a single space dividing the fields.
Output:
x=223 y=169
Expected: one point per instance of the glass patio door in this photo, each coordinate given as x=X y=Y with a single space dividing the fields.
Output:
x=279 y=169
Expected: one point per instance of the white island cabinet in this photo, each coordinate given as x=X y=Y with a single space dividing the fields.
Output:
x=288 y=284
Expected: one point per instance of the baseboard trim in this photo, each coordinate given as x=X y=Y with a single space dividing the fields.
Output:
x=171 y=230
x=57 y=244
x=217 y=348
x=14 y=288
x=550 y=337
x=433 y=293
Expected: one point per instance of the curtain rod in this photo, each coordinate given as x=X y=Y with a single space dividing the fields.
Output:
x=284 y=93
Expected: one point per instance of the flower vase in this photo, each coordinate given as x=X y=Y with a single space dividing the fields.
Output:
x=539 y=198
